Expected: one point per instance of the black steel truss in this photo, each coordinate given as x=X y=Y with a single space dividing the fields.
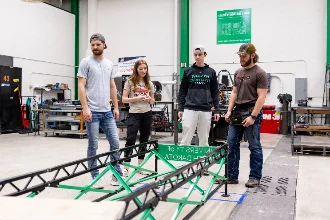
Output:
x=151 y=197
x=102 y=159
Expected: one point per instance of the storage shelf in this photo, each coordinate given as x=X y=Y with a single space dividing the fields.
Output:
x=62 y=120
x=311 y=148
x=77 y=119
x=312 y=110
x=311 y=128
x=61 y=131
x=58 y=132
x=308 y=127
x=65 y=111
x=50 y=89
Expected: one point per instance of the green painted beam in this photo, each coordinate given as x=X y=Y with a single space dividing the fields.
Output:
x=75 y=11
x=184 y=35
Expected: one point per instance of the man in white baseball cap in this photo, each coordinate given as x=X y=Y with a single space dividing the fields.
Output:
x=199 y=49
x=197 y=96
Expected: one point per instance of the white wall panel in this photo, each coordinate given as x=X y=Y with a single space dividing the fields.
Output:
x=290 y=31
x=40 y=37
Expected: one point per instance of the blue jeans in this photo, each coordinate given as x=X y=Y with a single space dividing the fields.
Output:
x=106 y=121
x=235 y=135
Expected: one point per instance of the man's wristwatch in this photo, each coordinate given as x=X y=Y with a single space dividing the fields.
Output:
x=254 y=117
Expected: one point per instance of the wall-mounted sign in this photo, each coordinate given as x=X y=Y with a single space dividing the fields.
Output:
x=126 y=64
x=234 y=26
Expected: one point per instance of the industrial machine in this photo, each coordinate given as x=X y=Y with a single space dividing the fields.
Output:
x=10 y=106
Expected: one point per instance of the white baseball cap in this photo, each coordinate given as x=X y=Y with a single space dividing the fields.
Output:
x=200 y=47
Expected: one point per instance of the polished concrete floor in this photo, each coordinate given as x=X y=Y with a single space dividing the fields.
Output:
x=304 y=195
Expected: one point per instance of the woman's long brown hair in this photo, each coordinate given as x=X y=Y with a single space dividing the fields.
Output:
x=135 y=78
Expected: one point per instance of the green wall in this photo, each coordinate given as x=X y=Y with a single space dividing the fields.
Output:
x=75 y=11
x=328 y=33
x=184 y=35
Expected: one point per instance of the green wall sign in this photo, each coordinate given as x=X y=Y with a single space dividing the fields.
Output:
x=183 y=153
x=234 y=26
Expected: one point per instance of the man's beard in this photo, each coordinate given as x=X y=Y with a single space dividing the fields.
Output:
x=97 y=52
x=247 y=63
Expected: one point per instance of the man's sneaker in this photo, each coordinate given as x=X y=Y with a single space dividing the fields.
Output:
x=114 y=181
x=229 y=181
x=252 y=183
x=126 y=172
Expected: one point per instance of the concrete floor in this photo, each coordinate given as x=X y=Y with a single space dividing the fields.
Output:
x=20 y=153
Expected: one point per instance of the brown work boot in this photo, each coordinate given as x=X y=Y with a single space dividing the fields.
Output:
x=252 y=183
x=229 y=181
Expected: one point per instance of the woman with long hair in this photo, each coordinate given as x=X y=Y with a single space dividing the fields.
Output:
x=139 y=93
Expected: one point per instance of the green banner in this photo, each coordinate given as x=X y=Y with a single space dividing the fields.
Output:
x=183 y=153
x=234 y=26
